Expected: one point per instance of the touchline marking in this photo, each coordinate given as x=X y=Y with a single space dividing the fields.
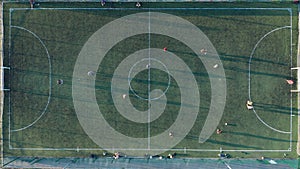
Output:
x=9 y=83
x=289 y=9
x=50 y=79
x=133 y=149
x=153 y=9
x=249 y=78
x=291 y=53
x=149 y=82
x=2 y=84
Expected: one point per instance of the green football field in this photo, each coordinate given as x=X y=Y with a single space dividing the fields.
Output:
x=121 y=91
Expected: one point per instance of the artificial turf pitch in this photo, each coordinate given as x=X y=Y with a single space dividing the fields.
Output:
x=235 y=33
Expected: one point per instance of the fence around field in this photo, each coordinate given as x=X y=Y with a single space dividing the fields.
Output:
x=151 y=0
x=190 y=163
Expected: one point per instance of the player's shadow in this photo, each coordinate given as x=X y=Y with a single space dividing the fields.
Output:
x=231 y=124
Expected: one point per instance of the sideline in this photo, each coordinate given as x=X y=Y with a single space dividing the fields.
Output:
x=1 y=82
x=298 y=81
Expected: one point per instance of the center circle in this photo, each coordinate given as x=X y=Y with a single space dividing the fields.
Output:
x=148 y=63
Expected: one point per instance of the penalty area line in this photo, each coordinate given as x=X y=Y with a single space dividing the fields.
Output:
x=50 y=77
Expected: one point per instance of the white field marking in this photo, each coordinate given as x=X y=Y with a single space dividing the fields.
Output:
x=9 y=83
x=2 y=72
x=130 y=78
x=227 y=165
x=289 y=9
x=249 y=78
x=50 y=78
x=134 y=149
x=5 y=67
x=153 y=9
x=68 y=164
x=298 y=75
x=2 y=83
x=295 y=68
x=291 y=95
x=149 y=82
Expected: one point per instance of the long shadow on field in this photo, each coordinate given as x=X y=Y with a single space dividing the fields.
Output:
x=22 y=20
x=223 y=143
x=64 y=97
x=225 y=58
x=203 y=74
x=257 y=136
x=192 y=55
x=46 y=73
x=242 y=21
x=53 y=41
x=275 y=108
x=256 y=72
x=233 y=58
x=58 y=131
x=32 y=72
x=246 y=58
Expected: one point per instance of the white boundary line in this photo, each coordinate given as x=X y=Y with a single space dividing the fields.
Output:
x=137 y=149
x=2 y=86
x=149 y=81
x=9 y=83
x=291 y=57
x=298 y=82
x=50 y=79
x=249 y=78
x=154 y=9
